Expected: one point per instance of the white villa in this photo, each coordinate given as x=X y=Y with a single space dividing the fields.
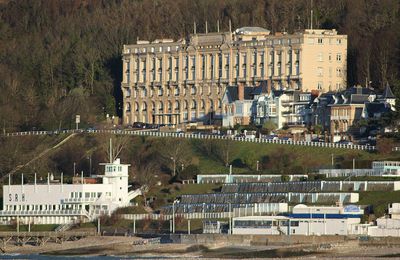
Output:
x=56 y=202
x=283 y=107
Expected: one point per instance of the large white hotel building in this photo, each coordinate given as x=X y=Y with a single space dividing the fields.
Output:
x=172 y=82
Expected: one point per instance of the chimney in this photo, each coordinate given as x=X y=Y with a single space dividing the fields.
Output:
x=240 y=91
x=269 y=87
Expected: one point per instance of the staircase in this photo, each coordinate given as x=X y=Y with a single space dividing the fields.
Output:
x=133 y=194
x=63 y=228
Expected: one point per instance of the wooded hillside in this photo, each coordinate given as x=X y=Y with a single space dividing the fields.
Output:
x=59 y=58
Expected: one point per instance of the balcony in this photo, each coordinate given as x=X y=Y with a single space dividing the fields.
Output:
x=79 y=200
x=340 y=117
x=71 y=212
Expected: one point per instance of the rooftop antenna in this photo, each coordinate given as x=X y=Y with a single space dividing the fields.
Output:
x=206 y=27
x=217 y=25
x=111 y=156
x=194 y=28
x=311 y=18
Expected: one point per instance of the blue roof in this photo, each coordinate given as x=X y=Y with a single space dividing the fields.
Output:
x=319 y=215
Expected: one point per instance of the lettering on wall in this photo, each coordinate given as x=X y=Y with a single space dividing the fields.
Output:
x=16 y=197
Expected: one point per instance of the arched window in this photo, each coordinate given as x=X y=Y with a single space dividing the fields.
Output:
x=185 y=104
x=161 y=106
x=193 y=90
x=176 y=105
x=153 y=106
x=219 y=103
x=128 y=107
x=169 y=106
x=144 y=106
x=202 y=104
x=194 y=104
x=136 y=106
x=211 y=104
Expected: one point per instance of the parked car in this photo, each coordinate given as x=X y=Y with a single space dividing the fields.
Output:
x=345 y=142
x=271 y=137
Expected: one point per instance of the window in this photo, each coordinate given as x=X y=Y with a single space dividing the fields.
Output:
x=128 y=71
x=212 y=66
x=254 y=64
x=338 y=72
x=244 y=65
x=339 y=57
x=219 y=65
x=320 y=71
x=338 y=41
x=319 y=86
x=193 y=67
x=227 y=62
x=160 y=69
x=237 y=64
x=320 y=41
x=193 y=90
x=169 y=68
x=262 y=64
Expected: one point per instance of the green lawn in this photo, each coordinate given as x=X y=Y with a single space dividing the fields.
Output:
x=379 y=200
x=23 y=228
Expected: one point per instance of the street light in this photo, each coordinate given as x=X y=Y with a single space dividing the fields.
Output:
x=174 y=160
x=173 y=215
x=90 y=164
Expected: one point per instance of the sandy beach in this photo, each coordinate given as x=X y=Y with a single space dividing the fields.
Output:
x=123 y=246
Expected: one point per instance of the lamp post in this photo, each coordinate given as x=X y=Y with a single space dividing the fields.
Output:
x=173 y=215
x=90 y=164
x=174 y=160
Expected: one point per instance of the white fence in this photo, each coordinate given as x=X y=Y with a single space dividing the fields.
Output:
x=155 y=133
x=194 y=215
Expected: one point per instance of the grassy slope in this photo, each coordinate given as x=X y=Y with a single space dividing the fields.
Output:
x=299 y=154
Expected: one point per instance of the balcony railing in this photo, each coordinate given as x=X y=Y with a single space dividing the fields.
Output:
x=79 y=200
x=6 y=213
x=340 y=117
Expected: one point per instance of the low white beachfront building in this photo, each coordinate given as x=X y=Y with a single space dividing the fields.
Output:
x=56 y=202
x=386 y=226
x=304 y=220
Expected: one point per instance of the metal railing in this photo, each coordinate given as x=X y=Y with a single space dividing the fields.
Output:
x=155 y=133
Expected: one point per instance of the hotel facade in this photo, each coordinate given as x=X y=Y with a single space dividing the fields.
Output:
x=173 y=82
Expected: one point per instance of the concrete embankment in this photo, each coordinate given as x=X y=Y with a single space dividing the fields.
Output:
x=252 y=240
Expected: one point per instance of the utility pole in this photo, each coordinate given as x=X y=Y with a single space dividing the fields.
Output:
x=134 y=224
x=90 y=164
x=174 y=160
x=230 y=218
x=98 y=225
